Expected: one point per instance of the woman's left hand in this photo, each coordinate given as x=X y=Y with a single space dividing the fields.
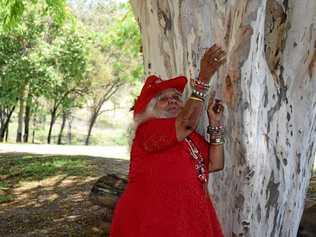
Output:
x=215 y=111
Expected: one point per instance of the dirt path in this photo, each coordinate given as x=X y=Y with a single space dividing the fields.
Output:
x=119 y=152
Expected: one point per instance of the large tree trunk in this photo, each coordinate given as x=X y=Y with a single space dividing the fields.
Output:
x=268 y=85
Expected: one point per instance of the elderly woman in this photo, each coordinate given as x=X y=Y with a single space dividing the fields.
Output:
x=166 y=194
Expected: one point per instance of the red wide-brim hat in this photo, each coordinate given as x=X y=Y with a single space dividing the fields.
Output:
x=153 y=85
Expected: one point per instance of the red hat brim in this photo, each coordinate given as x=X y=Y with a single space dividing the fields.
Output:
x=153 y=85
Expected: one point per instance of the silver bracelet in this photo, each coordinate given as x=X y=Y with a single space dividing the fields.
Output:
x=217 y=141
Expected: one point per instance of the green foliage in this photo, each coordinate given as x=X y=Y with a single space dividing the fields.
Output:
x=115 y=58
x=123 y=42
x=114 y=43
x=10 y=60
x=66 y=60
x=54 y=66
x=43 y=58
x=11 y=11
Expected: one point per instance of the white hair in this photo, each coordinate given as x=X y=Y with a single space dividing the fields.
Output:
x=141 y=118
x=149 y=112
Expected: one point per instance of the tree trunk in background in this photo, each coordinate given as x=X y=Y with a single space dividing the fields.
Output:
x=20 y=119
x=33 y=136
x=60 y=136
x=5 y=120
x=34 y=127
x=7 y=133
x=27 y=118
x=268 y=85
x=92 y=121
x=51 y=124
x=70 y=118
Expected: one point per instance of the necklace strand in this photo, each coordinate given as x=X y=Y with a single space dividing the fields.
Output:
x=197 y=156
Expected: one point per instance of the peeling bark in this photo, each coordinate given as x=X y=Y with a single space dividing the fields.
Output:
x=274 y=35
x=268 y=85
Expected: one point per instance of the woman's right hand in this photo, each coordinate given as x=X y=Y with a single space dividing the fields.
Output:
x=212 y=59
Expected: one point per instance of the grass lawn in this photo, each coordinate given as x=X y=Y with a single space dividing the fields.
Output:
x=48 y=195
x=17 y=168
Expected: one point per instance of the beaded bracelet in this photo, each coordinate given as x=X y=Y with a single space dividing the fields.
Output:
x=217 y=141
x=216 y=134
x=216 y=129
x=200 y=84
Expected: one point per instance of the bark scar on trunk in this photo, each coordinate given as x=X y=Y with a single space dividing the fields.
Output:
x=274 y=35
x=282 y=97
x=164 y=19
x=272 y=194
x=237 y=43
x=312 y=65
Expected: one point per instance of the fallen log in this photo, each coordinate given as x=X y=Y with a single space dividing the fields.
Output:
x=107 y=190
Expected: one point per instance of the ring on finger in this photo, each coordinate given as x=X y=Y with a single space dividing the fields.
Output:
x=220 y=108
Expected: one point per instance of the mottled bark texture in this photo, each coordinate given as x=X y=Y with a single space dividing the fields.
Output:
x=268 y=84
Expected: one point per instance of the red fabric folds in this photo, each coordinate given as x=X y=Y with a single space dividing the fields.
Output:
x=163 y=196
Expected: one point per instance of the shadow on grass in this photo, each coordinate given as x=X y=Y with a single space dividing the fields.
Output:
x=38 y=167
x=48 y=195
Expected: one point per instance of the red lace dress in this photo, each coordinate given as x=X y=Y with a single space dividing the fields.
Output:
x=164 y=197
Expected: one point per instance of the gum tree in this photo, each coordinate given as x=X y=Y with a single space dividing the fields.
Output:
x=268 y=85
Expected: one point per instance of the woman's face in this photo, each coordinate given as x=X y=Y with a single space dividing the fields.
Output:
x=169 y=103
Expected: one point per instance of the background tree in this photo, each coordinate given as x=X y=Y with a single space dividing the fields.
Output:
x=12 y=67
x=28 y=33
x=68 y=58
x=61 y=77
x=268 y=84
x=50 y=63
x=115 y=58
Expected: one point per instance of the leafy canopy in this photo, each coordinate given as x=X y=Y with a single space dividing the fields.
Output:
x=11 y=11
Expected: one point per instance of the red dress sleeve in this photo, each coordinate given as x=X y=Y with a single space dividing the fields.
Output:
x=157 y=134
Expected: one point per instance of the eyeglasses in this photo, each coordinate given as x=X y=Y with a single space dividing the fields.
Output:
x=165 y=98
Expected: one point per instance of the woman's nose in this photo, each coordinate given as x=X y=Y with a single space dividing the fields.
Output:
x=172 y=100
